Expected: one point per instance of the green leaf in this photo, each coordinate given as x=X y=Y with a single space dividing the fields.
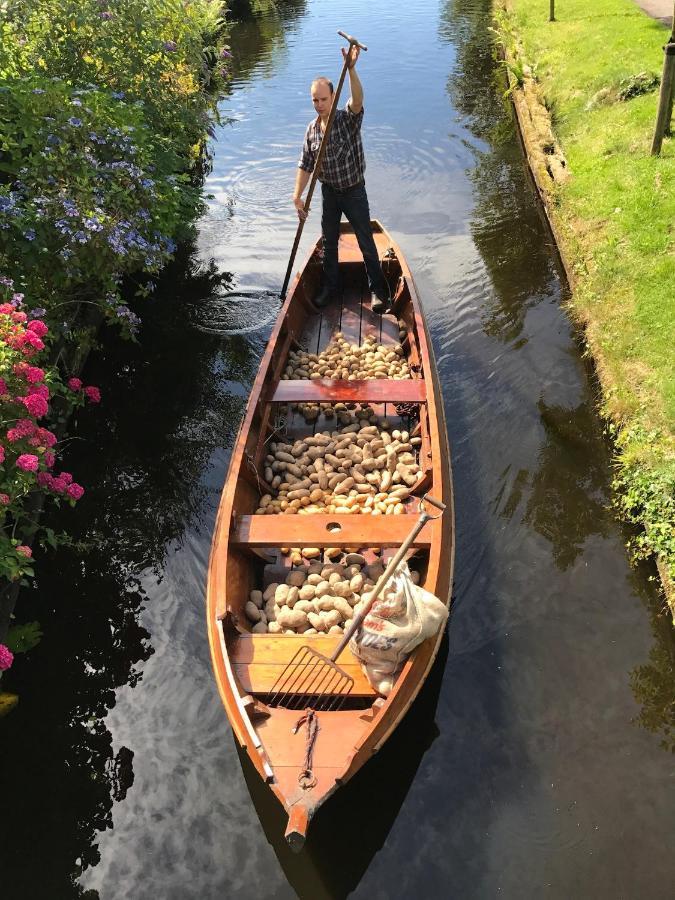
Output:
x=21 y=638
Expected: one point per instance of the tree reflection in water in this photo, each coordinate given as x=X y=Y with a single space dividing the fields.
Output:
x=169 y=403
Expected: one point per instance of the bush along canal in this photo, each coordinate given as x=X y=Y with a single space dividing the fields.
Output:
x=538 y=759
x=592 y=84
x=104 y=129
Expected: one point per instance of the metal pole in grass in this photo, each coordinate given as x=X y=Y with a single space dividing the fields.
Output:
x=665 y=97
x=551 y=10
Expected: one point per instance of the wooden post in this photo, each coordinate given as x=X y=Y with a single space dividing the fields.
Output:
x=665 y=98
x=551 y=10
x=669 y=114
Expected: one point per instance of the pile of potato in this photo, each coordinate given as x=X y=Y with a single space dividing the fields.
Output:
x=319 y=597
x=350 y=362
x=360 y=469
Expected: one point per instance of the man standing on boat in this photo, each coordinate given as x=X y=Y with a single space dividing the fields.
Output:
x=342 y=184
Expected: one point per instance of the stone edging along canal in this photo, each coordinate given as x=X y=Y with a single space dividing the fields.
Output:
x=549 y=170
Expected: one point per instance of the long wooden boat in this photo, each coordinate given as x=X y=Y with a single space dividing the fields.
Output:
x=250 y=549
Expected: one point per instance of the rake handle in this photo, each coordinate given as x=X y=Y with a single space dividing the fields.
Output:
x=384 y=578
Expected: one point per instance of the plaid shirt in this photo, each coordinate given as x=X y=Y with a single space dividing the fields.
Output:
x=343 y=162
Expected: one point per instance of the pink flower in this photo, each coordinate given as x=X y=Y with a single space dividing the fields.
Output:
x=44 y=479
x=75 y=384
x=58 y=485
x=35 y=375
x=35 y=404
x=50 y=459
x=4 y=499
x=66 y=476
x=23 y=550
x=6 y=309
x=37 y=327
x=2 y=454
x=3 y=387
x=47 y=437
x=93 y=394
x=6 y=657
x=75 y=490
x=24 y=428
x=29 y=342
x=28 y=462
x=19 y=317
x=40 y=389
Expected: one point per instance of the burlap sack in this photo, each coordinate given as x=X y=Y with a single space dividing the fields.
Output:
x=403 y=616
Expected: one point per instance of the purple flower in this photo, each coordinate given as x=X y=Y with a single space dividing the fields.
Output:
x=37 y=91
x=106 y=15
x=118 y=95
x=170 y=46
x=29 y=235
x=17 y=299
x=76 y=101
x=74 y=122
x=38 y=313
x=225 y=54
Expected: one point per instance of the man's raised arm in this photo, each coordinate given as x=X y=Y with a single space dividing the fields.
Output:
x=356 y=99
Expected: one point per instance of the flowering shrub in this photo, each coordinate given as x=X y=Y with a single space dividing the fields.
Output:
x=167 y=55
x=28 y=448
x=104 y=109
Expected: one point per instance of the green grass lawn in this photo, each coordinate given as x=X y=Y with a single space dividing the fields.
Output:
x=617 y=217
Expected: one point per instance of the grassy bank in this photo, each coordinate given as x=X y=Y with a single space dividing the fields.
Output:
x=616 y=220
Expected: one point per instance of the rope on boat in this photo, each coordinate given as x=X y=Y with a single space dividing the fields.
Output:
x=306 y=778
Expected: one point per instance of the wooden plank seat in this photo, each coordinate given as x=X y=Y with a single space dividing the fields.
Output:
x=331 y=390
x=259 y=659
x=319 y=530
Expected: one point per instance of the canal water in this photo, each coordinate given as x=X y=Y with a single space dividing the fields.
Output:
x=538 y=760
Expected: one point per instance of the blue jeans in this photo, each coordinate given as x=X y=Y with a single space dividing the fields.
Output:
x=354 y=204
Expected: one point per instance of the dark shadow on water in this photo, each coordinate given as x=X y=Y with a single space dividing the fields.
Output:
x=142 y=460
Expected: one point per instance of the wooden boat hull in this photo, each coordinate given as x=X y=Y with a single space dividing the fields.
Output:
x=244 y=542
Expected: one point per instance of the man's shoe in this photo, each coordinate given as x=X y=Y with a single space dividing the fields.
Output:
x=323 y=298
x=379 y=304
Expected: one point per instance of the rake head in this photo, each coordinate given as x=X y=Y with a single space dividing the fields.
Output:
x=311 y=680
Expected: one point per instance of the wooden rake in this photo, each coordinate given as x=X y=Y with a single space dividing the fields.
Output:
x=314 y=681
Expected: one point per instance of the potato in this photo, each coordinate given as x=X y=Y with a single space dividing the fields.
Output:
x=305 y=605
x=315 y=578
x=325 y=602
x=270 y=591
x=356 y=583
x=253 y=613
x=306 y=592
x=343 y=607
x=316 y=620
x=331 y=617
x=311 y=552
x=280 y=594
x=257 y=598
x=296 y=577
x=260 y=628
x=292 y=618
x=355 y=559
x=292 y=596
